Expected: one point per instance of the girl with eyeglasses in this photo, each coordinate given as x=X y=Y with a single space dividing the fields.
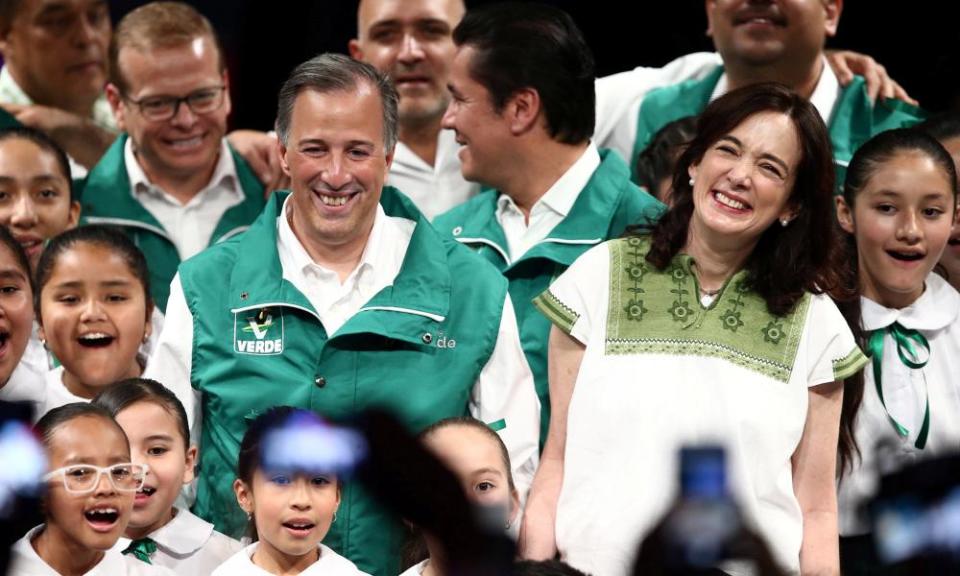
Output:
x=90 y=491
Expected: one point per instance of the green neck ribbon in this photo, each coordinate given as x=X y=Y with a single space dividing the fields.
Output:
x=904 y=338
x=142 y=549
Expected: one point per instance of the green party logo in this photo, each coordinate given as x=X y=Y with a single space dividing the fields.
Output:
x=258 y=332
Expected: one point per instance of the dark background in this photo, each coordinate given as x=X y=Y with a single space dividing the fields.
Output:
x=264 y=39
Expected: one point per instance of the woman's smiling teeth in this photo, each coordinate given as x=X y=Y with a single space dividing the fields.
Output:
x=728 y=201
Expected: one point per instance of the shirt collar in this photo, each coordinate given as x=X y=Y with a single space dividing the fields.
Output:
x=372 y=258
x=935 y=309
x=824 y=95
x=183 y=535
x=224 y=174
x=560 y=197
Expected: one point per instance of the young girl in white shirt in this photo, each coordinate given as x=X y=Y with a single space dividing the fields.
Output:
x=94 y=307
x=479 y=459
x=160 y=533
x=291 y=501
x=899 y=205
x=89 y=497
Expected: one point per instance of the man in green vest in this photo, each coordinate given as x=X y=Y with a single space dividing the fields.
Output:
x=523 y=112
x=171 y=180
x=757 y=42
x=340 y=298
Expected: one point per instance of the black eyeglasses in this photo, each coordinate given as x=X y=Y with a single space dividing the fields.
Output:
x=161 y=108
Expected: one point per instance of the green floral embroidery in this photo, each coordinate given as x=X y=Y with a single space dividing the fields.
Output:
x=658 y=312
x=773 y=332
x=731 y=320
x=636 y=272
x=635 y=310
x=681 y=311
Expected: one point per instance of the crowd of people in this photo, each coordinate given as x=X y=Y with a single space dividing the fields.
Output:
x=554 y=281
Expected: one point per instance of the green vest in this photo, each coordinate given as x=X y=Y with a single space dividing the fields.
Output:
x=853 y=121
x=605 y=207
x=106 y=199
x=416 y=348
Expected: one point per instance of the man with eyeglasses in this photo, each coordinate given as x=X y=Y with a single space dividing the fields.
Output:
x=171 y=181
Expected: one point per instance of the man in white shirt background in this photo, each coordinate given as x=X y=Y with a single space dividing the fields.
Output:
x=410 y=41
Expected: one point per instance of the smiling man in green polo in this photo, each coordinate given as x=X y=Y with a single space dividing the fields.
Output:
x=335 y=300
x=170 y=181
x=523 y=111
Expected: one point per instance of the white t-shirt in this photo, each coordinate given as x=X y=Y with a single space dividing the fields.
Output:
x=936 y=315
x=434 y=189
x=26 y=562
x=329 y=564
x=661 y=371
x=189 y=545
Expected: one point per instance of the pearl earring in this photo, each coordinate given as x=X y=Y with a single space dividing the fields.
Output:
x=784 y=222
x=691 y=180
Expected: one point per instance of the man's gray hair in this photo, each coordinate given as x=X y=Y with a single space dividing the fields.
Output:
x=336 y=73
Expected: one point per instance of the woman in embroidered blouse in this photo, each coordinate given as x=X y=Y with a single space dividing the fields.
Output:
x=713 y=326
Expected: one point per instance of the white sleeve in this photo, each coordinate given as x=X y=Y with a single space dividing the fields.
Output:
x=619 y=97
x=504 y=398
x=832 y=352
x=576 y=301
x=171 y=361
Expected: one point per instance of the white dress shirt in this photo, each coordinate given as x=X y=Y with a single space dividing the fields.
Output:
x=936 y=315
x=24 y=561
x=434 y=189
x=191 y=225
x=549 y=210
x=334 y=301
x=189 y=545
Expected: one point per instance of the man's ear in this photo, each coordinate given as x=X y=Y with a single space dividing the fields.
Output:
x=832 y=9
x=117 y=106
x=845 y=215
x=522 y=110
x=283 y=155
x=353 y=47
x=708 y=7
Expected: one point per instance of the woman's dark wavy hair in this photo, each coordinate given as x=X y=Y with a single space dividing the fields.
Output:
x=869 y=158
x=787 y=261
